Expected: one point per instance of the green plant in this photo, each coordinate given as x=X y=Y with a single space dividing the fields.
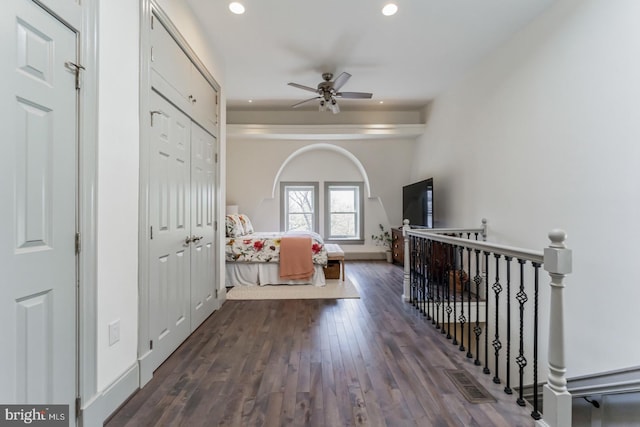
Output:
x=382 y=239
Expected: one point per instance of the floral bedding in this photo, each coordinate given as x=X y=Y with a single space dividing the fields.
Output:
x=265 y=247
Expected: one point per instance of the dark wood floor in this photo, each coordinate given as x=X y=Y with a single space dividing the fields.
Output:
x=371 y=361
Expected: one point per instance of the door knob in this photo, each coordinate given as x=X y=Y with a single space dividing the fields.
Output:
x=187 y=241
x=196 y=239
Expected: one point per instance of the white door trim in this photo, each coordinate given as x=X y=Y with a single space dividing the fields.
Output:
x=88 y=196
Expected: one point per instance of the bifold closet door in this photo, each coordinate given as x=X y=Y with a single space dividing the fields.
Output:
x=170 y=221
x=203 y=297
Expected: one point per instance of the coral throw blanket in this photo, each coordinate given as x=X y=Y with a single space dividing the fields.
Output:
x=295 y=257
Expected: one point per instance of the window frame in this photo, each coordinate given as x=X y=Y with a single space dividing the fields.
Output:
x=359 y=212
x=284 y=206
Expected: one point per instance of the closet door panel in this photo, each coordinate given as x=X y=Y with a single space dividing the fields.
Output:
x=203 y=297
x=170 y=68
x=204 y=102
x=170 y=220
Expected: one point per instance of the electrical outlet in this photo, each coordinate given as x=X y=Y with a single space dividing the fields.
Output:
x=114 y=332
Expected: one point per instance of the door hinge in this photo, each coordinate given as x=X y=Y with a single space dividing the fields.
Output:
x=215 y=225
x=78 y=407
x=150 y=344
x=77 y=241
x=76 y=69
x=216 y=158
x=152 y=21
x=151 y=233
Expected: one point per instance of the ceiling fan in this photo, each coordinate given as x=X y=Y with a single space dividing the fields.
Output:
x=328 y=92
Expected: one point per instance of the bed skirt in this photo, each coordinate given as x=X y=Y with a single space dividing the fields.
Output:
x=265 y=273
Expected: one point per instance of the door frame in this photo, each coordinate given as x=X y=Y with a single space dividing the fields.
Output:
x=148 y=8
x=88 y=207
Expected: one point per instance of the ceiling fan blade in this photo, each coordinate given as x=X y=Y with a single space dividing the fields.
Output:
x=305 y=101
x=303 y=87
x=341 y=80
x=354 y=95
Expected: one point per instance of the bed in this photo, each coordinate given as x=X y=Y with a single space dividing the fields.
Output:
x=253 y=258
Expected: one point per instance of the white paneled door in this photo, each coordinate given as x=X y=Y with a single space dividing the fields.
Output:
x=203 y=297
x=38 y=213
x=170 y=221
x=181 y=210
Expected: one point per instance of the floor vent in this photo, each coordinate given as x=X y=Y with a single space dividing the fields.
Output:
x=468 y=386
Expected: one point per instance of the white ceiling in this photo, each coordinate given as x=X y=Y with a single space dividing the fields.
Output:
x=405 y=60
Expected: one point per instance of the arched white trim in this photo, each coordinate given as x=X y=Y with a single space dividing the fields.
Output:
x=323 y=146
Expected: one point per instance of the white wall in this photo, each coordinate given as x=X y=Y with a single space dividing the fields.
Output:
x=252 y=166
x=118 y=164
x=544 y=134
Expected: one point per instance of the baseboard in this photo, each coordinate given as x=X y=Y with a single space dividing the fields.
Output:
x=95 y=412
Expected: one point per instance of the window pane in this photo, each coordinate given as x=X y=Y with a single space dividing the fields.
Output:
x=300 y=200
x=300 y=222
x=343 y=225
x=343 y=200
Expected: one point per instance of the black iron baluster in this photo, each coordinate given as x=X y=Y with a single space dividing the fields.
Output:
x=429 y=290
x=535 y=414
x=507 y=387
x=486 y=370
x=423 y=280
x=456 y=270
x=462 y=319
x=477 y=330
x=497 y=345
x=469 y=354
x=521 y=360
x=438 y=283
x=450 y=273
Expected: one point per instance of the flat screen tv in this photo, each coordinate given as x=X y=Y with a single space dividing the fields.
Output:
x=417 y=203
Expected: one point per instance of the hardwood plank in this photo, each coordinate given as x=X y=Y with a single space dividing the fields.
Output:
x=373 y=361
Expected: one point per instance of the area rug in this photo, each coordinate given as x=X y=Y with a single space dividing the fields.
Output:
x=334 y=289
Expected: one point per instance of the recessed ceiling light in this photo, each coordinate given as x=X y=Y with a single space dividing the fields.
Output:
x=389 y=9
x=250 y=101
x=381 y=102
x=236 y=8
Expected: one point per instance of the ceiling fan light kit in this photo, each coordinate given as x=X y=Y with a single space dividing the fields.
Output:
x=328 y=92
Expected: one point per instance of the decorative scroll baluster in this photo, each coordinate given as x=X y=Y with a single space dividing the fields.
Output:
x=429 y=267
x=507 y=387
x=462 y=318
x=486 y=315
x=421 y=286
x=535 y=414
x=477 y=330
x=497 y=345
x=469 y=354
x=450 y=273
x=521 y=360
x=416 y=278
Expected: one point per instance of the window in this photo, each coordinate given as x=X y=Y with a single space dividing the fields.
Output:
x=299 y=206
x=344 y=211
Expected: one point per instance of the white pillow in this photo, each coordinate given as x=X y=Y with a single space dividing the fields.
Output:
x=246 y=224
x=233 y=226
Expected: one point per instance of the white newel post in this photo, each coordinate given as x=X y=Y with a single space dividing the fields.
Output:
x=556 y=398
x=406 y=296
